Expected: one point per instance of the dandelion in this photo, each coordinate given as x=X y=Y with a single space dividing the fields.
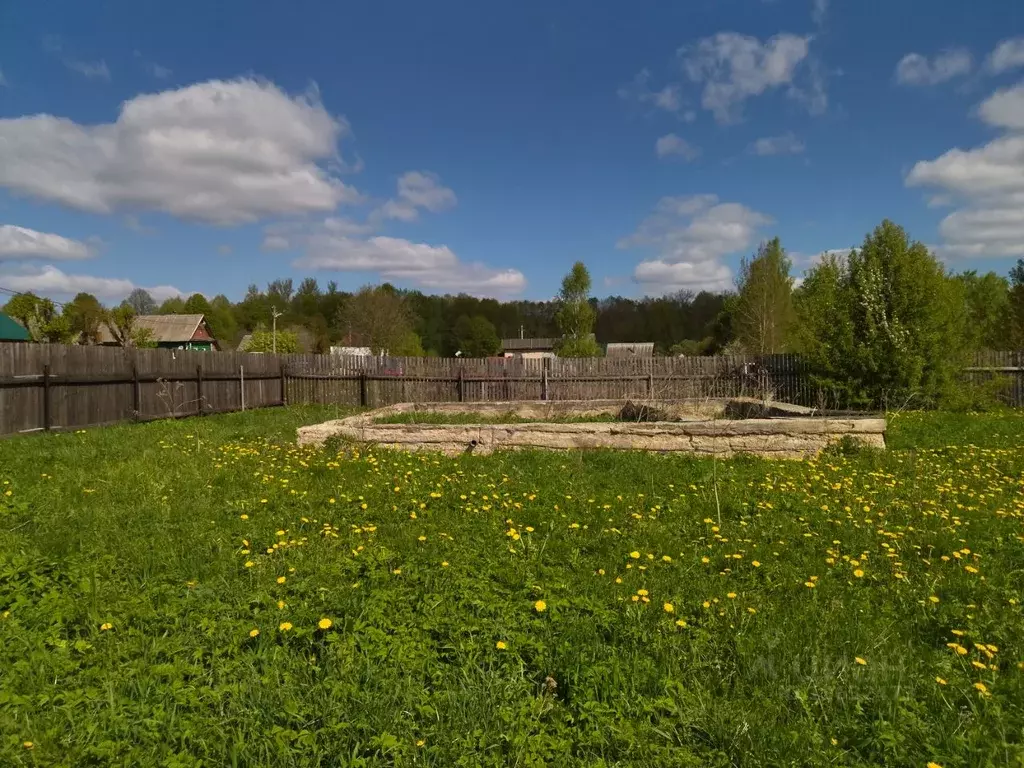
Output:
x=444 y=563
x=860 y=661
x=706 y=604
x=933 y=599
x=669 y=608
x=420 y=743
x=325 y=623
x=105 y=626
x=731 y=595
x=27 y=744
x=635 y=555
x=249 y=563
x=809 y=584
x=982 y=689
x=285 y=626
x=755 y=563
x=280 y=605
x=501 y=645
x=859 y=573
x=254 y=633
x=680 y=622
x=751 y=610
x=705 y=560
x=282 y=579
x=933 y=765
x=666 y=558
x=540 y=606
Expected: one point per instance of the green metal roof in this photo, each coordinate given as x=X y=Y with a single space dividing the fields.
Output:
x=10 y=330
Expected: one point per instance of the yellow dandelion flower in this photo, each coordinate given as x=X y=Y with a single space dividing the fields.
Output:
x=860 y=661
x=325 y=623
x=249 y=563
x=669 y=608
x=680 y=622
x=666 y=558
x=981 y=688
x=705 y=560
x=859 y=573
x=933 y=599
x=706 y=604
x=731 y=595
x=285 y=626
x=27 y=744
x=501 y=645
x=420 y=743
x=933 y=765
x=635 y=555
x=254 y=633
x=940 y=681
x=809 y=584
x=755 y=563
x=444 y=563
x=282 y=579
x=642 y=592
x=540 y=606
x=243 y=517
x=751 y=610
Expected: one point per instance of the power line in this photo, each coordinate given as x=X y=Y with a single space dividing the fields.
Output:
x=28 y=293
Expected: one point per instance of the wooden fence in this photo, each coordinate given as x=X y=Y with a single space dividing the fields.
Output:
x=52 y=387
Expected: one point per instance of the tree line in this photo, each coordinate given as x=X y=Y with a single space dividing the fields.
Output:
x=883 y=321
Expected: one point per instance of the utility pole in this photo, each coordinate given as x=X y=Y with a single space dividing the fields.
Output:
x=275 y=314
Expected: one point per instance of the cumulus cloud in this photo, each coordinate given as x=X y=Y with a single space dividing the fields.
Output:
x=669 y=98
x=915 y=69
x=734 y=67
x=786 y=144
x=426 y=266
x=417 y=190
x=690 y=236
x=1009 y=54
x=672 y=145
x=23 y=243
x=988 y=181
x=222 y=152
x=50 y=280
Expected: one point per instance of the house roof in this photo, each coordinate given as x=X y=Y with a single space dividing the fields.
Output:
x=11 y=330
x=168 y=329
x=511 y=345
x=630 y=349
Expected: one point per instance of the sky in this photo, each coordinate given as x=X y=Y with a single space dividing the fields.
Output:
x=483 y=148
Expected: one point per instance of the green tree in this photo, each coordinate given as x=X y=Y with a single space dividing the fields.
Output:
x=379 y=317
x=121 y=322
x=476 y=336
x=988 y=308
x=886 y=326
x=197 y=304
x=1015 y=307
x=263 y=341
x=40 y=318
x=85 y=317
x=576 y=316
x=409 y=345
x=764 y=313
x=175 y=305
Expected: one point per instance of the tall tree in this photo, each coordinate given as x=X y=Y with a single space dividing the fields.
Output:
x=888 y=326
x=476 y=336
x=764 y=315
x=121 y=322
x=197 y=304
x=988 y=308
x=575 y=316
x=1015 y=308
x=40 y=318
x=141 y=302
x=175 y=305
x=85 y=317
x=378 y=317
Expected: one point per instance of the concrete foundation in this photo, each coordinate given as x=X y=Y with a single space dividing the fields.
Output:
x=702 y=428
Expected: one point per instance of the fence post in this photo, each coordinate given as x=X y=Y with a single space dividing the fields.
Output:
x=506 y=394
x=650 y=385
x=199 y=388
x=284 y=391
x=241 y=385
x=544 y=380
x=136 y=393
x=46 y=398
x=460 y=385
x=363 y=399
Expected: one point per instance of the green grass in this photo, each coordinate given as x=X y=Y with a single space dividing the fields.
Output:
x=510 y=417
x=424 y=564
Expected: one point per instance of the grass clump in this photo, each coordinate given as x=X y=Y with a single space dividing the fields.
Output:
x=204 y=592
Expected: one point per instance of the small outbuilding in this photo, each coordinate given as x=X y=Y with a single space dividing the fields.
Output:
x=630 y=349
x=172 y=332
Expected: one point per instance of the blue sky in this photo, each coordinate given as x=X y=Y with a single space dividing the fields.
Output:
x=458 y=146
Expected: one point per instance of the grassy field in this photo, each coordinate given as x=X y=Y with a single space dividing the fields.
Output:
x=204 y=593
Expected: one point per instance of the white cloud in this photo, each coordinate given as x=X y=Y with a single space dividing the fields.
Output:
x=786 y=144
x=1009 y=54
x=690 y=236
x=50 y=280
x=915 y=69
x=819 y=9
x=222 y=152
x=273 y=242
x=735 y=67
x=669 y=98
x=426 y=266
x=160 y=72
x=22 y=243
x=988 y=181
x=416 y=190
x=92 y=70
x=672 y=145
x=1004 y=108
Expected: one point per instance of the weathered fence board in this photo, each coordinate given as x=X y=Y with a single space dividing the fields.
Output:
x=48 y=386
